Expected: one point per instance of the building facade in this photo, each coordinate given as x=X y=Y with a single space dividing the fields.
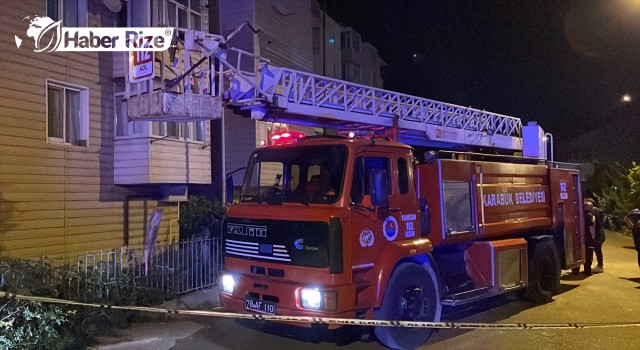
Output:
x=76 y=174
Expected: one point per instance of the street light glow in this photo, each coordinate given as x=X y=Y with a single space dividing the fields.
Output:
x=626 y=98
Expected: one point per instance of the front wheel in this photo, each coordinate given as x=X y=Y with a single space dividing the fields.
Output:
x=412 y=295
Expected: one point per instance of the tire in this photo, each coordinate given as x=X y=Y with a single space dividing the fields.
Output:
x=544 y=272
x=412 y=294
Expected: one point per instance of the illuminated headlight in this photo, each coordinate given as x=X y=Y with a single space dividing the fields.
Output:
x=228 y=283
x=312 y=298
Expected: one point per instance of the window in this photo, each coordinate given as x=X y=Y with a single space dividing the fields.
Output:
x=73 y=13
x=187 y=14
x=316 y=39
x=457 y=207
x=312 y=174
x=351 y=71
x=123 y=127
x=350 y=40
x=403 y=176
x=173 y=130
x=67 y=114
x=364 y=166
x=191 y=131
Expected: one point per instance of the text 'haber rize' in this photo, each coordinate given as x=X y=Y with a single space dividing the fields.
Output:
x=132 y=40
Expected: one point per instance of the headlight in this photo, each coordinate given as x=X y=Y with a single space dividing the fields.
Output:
x=310 y=298
x=313 y=298
x=228 y=283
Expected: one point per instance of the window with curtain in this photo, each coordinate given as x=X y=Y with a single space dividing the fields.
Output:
x=191 y=131
x=123 y=127
x=67 y=114
x=187 y=14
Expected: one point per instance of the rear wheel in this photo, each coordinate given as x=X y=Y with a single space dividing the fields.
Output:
x=544 y=272
x=412 y=295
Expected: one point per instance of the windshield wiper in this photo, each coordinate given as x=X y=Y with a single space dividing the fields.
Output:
x=249 y=198
x=360 y=207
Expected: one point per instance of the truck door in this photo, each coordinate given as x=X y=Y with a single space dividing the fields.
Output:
x=374 y=226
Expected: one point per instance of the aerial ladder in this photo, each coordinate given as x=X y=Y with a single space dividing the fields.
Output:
x=269 y=93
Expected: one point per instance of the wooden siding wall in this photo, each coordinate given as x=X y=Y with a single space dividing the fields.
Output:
x=286 y=39
x=137 y=161
x=180 y=162
x=59 y=199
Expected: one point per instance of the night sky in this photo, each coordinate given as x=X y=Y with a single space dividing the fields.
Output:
x=564 y=64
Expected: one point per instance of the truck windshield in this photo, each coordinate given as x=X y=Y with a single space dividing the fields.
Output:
x=306 y=174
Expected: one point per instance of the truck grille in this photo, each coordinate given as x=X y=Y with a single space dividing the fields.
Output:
x=267 y=251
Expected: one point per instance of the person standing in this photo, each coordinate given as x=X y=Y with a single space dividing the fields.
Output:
x=633 y=222
x=594 y=236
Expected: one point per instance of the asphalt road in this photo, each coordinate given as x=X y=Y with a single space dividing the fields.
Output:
x=610 y=297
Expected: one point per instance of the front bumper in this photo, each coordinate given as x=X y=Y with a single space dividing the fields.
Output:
x=285 y=295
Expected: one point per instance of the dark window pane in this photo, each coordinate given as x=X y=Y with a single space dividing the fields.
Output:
x=182 y=18
x=172 y=129
x=52 y=10
x=70 y=15
x=54 y=112
x=403 y=176
x=72 y=117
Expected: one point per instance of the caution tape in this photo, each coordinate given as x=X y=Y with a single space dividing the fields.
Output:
x=328 y=320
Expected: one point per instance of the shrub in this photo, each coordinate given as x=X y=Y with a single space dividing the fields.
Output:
x=32 y=325
x=200 y=217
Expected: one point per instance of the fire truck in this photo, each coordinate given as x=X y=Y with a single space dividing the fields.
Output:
x=456 y=206
x=370 y=228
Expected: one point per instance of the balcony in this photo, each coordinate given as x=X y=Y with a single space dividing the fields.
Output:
x=174 y=106
x=147 y=160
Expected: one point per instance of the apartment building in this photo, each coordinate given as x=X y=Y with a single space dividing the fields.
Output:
x=76 y=174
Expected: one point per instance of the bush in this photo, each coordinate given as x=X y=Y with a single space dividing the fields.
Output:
x=32 y=325
x=201 y=217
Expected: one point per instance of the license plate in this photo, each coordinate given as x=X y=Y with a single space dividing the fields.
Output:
x=260 y=306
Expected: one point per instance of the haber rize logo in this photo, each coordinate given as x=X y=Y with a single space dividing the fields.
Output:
x=49 y=35
x=39 y=26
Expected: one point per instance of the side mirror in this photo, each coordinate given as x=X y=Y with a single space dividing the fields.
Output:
x=379 y=188
x=229 y=189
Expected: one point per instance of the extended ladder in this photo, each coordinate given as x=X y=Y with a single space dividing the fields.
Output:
x=287 y=95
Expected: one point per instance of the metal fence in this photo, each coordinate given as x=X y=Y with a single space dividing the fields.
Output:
x=173 y=268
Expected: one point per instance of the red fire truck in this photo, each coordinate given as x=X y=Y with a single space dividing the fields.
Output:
x=368 y=228
x=356 y=228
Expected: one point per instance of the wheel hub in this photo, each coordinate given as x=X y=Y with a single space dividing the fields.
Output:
x=413 y=305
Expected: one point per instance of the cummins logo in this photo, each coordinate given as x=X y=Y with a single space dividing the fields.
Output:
x=247 y=230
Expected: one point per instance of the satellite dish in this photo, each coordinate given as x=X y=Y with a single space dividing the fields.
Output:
x=113 y=5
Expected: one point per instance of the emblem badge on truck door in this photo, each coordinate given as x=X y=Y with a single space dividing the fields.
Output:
x=390 y=228
x=366 y=238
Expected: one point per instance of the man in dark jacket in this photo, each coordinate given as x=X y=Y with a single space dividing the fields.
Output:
x=633 y=222
x=593 y=236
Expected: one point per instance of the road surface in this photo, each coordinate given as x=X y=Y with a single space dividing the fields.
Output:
x=610 y=297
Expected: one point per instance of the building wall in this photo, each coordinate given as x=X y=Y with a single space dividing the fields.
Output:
x=60 y=199
x=285 y=32
x=370 y=64
x=332 y=59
